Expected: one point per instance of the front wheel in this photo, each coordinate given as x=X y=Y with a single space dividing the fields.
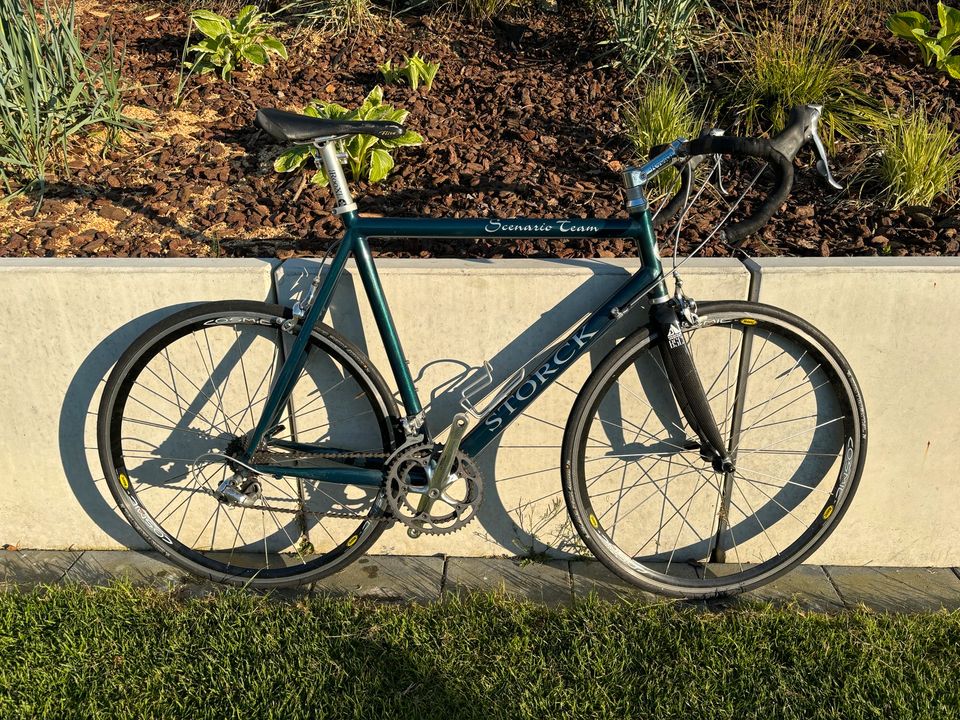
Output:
x=649 y=504
x=174 y=420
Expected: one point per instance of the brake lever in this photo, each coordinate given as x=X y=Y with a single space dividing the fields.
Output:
x=823 y=166
x=801 y=128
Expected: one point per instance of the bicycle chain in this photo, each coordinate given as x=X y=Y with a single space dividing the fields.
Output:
x=322 y=456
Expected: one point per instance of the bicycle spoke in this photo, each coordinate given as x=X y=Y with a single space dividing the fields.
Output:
x=645 y=482
x=784 y=407
x=634 y=395
x=176 y=404
x=798 y=434
x=769 y=497
x=753 y=514
x=289 y=539
x=785 y=482
x=676 y=511
x=250 y=403
x=216 y=386
x=784 y=422
x=193 y=397
x=648 y=436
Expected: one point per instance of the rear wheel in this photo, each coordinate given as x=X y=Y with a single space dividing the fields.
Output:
x=180 y=404
x=656 y=513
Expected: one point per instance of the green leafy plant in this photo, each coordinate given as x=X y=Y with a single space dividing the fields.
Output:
x=367 y=156
x=51 y=92
x=917 y=159
x=413 y=69
x=913 y=26
x=664 y=113
x=797 y=60
x=652 y=32
x=227 y=43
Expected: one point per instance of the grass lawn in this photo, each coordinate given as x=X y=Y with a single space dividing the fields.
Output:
x=121 y=652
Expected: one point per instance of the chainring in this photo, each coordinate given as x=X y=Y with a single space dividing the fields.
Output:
x=456 y=504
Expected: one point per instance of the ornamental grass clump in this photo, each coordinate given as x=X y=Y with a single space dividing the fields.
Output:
x=332 y=17
x=645 y=33
x=796 y=60
x=664 y=112
x=917 y=159
x=51 y=92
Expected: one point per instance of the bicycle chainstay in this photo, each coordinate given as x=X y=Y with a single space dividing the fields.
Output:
x=262 y=455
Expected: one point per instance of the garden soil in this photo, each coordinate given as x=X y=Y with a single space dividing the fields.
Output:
x=525 y=119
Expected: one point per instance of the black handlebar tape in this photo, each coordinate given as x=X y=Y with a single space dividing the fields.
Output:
x=761 y=149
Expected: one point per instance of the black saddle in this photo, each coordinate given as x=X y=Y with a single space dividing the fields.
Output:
x=288 y=126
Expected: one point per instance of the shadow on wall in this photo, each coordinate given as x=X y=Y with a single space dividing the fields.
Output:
x=531 y=526
x=78 y=449
x=525 y=526
x=77 y=427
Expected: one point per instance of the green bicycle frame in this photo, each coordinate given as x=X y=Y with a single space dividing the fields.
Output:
x=359 y=230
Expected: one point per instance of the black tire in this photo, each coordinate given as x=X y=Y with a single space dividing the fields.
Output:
x=191 y=386
x=799 y=391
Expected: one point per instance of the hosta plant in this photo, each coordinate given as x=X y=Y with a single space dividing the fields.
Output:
x=366 y=156
x=227 y=43
x=937 y=48
x=413 y=69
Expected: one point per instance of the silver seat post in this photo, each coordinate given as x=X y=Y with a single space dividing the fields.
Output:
x=338 y=181
x=341 y=190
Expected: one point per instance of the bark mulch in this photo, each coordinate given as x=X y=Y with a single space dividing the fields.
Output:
x=518 y=123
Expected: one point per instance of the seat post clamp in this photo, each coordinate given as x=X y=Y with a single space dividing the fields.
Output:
x=340 y=209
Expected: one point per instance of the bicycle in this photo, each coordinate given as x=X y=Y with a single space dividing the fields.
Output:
x=710 y=451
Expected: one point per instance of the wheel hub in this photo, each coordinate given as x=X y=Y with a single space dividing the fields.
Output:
x=718 y=463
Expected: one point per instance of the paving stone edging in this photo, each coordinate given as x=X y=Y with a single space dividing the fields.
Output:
x=817 y=588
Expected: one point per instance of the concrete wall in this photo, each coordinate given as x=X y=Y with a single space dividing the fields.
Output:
x=66 y=322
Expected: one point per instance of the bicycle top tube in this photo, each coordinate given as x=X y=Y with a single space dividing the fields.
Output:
x=551 y=228
x=392 y=227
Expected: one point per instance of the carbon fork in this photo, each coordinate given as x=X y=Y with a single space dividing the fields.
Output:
x=687 y=388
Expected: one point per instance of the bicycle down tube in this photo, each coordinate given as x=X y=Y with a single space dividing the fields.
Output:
x=647 y=280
